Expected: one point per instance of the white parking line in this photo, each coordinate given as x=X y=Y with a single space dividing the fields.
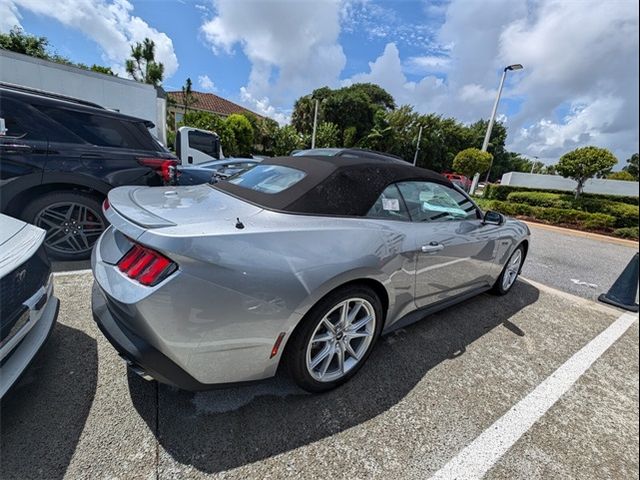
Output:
x=71 y=272
x=479 y=456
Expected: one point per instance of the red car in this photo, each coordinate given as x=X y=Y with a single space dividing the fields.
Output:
x=460 y=180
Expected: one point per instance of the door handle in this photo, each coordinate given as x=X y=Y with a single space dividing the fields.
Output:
x=433 y=247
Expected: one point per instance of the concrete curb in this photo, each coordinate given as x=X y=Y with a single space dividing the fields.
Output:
x=580 y=233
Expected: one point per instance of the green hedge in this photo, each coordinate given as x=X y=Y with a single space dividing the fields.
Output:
x=501 y=192
x=626 y=215
x=631 y=233
x=556 y=216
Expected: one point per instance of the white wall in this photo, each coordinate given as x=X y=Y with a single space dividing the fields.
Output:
x=120 y=94
x=557 y=182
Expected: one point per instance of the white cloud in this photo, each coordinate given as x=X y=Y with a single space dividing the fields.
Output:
x=263 y=107
x=427 y=64
x=292 y=46
x=110 y=23
x=474 y=93
x=427 y=95
x=206 y=83
x=580 y=58
x=9 y=16
x=580 y=54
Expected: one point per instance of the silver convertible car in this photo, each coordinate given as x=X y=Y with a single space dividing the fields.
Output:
x=300 y=261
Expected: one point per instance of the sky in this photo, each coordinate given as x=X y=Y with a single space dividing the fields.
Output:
x=579 y=85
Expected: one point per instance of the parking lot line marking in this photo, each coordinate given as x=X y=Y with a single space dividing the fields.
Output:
x=477 y=458
x=71 y=272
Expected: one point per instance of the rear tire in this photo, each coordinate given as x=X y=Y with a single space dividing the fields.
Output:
x=73 y=220
x=331 y=344
x=510 y=272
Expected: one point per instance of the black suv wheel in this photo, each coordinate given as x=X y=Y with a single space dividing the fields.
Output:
x=73 y=222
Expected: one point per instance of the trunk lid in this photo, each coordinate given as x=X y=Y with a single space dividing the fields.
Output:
x=157 y=207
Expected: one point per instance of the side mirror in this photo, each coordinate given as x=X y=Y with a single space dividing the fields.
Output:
x=493 y=218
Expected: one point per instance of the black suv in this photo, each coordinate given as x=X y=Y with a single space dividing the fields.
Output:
x=58 y=159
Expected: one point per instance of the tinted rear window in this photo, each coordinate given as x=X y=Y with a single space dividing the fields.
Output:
x=27 y=123
x=268 y=178
x=104 y=131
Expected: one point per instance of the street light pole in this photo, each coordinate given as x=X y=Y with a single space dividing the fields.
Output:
x=315 y=125
x=485 y=144
x=415 y=157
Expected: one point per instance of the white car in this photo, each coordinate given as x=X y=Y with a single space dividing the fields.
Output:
x=28 y=308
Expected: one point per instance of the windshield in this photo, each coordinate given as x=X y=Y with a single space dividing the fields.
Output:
x=268 y=178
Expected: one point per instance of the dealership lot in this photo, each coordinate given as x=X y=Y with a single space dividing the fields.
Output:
x=427 y=392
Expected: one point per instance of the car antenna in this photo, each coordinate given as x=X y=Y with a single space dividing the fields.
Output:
x=239 y=224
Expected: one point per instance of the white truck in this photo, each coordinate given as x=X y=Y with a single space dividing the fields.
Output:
x=195 y=146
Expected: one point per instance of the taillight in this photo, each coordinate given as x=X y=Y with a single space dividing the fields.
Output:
x=160 y=165
x=145 y=265
x=106 y=205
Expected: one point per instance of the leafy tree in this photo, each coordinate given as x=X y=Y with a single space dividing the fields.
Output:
x=632 y=166
x=286 y=139
x=242 y=131
x=349 y=137
x=382 y=136
x=142 y=65
x=471 y=161
x=584 y=163
x=622 y=175
x=347 y=107
x=188 y=99
x=20 y=42
x=302 y=116
x=213 y=123
x=102 y=69
x=327 y=135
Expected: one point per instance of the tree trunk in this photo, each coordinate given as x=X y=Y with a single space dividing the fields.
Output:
x=579 y=188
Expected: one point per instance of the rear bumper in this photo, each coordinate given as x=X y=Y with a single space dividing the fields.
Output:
x=18 y=353
x=139 y=354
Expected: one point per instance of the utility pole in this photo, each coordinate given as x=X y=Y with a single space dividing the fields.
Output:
x=415 y=157
x=315 y=125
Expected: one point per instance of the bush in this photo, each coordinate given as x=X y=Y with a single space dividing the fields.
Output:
x=631 y=233
x=555 y=216
x=540 y=199
x=626 y=215
x=501 y=192
x=471 y=161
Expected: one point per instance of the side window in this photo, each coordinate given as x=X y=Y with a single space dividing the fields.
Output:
x=23 y=121
x=389 y=205
x=205 y=142
x=433 y=202
x=104 y=131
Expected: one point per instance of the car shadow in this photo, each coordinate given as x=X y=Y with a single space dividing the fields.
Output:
x=43 y=415
x=223 y=429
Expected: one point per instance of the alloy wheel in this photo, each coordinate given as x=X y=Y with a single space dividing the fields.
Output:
x=512 y=270
x=71 y=227
x=341 y=339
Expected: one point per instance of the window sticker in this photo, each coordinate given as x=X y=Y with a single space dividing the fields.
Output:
x=392 y=204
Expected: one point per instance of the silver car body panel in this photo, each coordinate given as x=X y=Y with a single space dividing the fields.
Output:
x=237 y=289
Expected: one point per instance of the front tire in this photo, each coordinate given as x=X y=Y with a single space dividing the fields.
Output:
x=510 y=272
x=335 y=338
x=73 y=220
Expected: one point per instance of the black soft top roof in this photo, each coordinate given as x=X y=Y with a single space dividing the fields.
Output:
x=333 y=185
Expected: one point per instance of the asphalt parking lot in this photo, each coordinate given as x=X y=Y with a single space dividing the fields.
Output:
x=419 y=404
